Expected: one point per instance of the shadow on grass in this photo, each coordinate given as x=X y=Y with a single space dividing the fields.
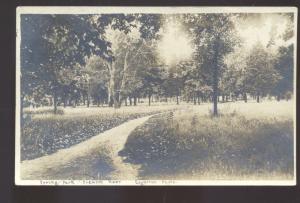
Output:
x=96 y=165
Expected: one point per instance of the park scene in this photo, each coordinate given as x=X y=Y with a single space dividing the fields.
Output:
x=149 y=96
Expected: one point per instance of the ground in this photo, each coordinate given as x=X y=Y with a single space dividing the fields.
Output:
x=167 y=131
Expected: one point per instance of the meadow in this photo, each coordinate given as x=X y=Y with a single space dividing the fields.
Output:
x=247 y=141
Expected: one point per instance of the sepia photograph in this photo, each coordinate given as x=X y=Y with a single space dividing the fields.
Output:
x=155 y=96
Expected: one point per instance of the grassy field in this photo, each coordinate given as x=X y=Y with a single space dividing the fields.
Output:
x=44 y=133
x=247 y=141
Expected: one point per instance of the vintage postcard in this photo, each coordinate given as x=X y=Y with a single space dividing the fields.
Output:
x=156 y=96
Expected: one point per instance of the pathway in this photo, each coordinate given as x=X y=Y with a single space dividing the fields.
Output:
x=84 y=159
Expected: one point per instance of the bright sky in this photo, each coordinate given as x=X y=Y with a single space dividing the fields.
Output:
x=175 y=44
x=259 y=28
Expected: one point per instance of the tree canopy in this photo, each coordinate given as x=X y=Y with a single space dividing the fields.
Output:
x=110 y=58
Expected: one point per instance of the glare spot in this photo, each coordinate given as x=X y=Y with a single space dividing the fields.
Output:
x=175 y=44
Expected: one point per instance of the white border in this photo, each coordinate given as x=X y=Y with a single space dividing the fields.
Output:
x=157 y=182
x=18 y=106
x=162 y=10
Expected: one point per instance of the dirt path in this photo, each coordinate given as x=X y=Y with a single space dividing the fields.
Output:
x=86 y=160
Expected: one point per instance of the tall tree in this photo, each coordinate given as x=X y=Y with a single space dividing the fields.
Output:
x=234 y=78
x=52 y=44
x=285 y=67
x=152 y=81
x=214 y=37
x=260 y=71
x=130 y=45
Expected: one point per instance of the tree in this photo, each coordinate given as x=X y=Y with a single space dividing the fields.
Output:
x=190 y=81
x=52 y=44
x=260 y=72
x=95 y=79
x=285 y=67
x=233 y=80
x=152 y=81
x=285 y=62
x=173 y=84
x=131 y=48
x=214 y=37
x=140 y=61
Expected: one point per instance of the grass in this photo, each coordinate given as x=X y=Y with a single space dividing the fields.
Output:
x=190 y=144
x=247 y=141
x=44 y=133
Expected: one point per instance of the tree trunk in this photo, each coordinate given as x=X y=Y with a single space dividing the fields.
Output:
x=257 y=98
x=130 y=101
x=111 y=88
x=117 y=102
x=245 y=97
x=278 y=97
x=149 y=97
x=65 y=102
x=177 y=100
x=55 y=102
x=125 y=101
x=215 y=90
x=124 y=76
x=223 y=98
x=134 y=101
x=75 y=103
x=88 y=101
x=110 y=101
x=198 y=98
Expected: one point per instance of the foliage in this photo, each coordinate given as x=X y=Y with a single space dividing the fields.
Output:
x=107 y=58
x=260 y=72
x=284 y=66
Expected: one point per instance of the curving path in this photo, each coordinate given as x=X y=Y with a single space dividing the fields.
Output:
x=86 y=160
